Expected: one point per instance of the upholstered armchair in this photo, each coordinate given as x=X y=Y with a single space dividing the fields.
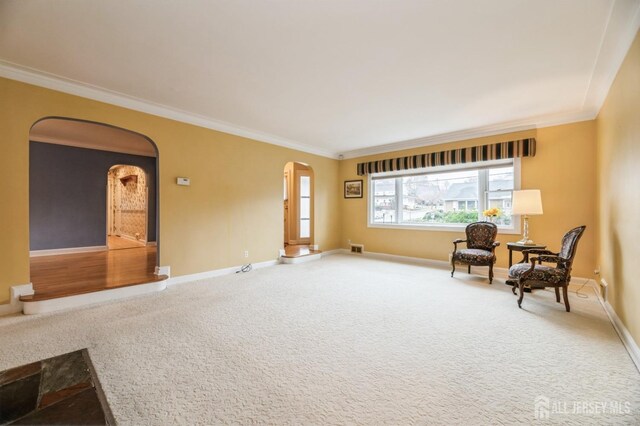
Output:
x=481 y=247
x=541 y=276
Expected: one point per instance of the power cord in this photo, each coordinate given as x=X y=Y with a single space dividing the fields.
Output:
x=577 y=292
x=582 y=295
x=244 y=268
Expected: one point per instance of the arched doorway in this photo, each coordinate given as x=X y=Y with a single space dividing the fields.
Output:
x=73 y=165
x=127 y=207
x=298 y=208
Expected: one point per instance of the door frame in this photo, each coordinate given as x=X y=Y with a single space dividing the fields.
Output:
x=114 y=217
x=299 y=169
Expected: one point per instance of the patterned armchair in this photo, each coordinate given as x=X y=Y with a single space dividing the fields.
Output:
x=541 y=276
x=481 y=246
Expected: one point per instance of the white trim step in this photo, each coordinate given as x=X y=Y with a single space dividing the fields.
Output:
x=78 y=300
x=15 y=305
x=300 y=259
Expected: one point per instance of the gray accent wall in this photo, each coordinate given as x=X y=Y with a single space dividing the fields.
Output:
x=68 y=195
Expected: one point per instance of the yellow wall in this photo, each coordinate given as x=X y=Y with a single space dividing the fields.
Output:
x=618 y=135
x=563 y=169
x=234 y=201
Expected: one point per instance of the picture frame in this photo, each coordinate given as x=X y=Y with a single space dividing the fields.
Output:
x=353 y=188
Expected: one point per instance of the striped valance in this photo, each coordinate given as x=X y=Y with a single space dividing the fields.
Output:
x=495 y=151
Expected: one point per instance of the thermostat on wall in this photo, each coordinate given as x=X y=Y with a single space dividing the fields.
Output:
x=183 y=181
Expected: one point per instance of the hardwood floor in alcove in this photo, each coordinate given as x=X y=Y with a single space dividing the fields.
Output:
x=78 y=273
x=118 y=243
x=299 y=250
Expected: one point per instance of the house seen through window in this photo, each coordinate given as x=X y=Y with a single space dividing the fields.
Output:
x=454 y=196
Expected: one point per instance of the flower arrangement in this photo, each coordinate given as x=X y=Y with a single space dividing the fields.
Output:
x=491 y=213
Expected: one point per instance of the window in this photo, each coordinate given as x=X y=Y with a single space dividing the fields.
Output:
x=447 y=197
x=305 y=206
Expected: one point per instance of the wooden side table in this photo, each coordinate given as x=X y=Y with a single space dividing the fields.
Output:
x=521 y=247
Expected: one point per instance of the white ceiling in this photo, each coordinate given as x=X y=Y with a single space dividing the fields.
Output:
x=331 y=77
x=84 y=134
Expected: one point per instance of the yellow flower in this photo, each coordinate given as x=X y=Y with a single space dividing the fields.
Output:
x=493 y=212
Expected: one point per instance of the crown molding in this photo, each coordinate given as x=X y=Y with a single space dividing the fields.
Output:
x=61 y=84
x=478 y=132
x=620 y=31
x=55 y=82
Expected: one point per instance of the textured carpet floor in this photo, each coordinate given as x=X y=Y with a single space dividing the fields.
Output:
x=343 y=340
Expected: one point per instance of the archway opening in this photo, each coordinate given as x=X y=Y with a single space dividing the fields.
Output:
x=298 y=183
x=76 y=168
x=127 y=207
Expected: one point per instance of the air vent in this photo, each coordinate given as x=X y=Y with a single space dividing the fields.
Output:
x=357 y=248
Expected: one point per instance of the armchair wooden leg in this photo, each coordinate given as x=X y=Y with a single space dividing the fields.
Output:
x=565 y=294
x=557 y=294
x=491 y=273
x=521 y=290
x=468 y=269
x=453 y=267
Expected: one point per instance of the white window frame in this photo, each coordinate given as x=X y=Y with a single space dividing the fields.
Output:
x=515 y=219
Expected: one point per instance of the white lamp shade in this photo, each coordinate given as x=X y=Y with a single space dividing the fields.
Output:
x=527 y=201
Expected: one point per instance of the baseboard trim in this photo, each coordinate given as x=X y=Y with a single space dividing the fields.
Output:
x=498 y=272
x=181 y=279
x=440 y=264
x=80 y=300
x=163 y=270
x=623 y=333
x=132 y=238
x=70 y=250
x=334 y=251
x=15 y=305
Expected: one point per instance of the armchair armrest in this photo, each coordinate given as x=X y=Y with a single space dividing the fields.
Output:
x=493 y=247
x=455 y=244
x=547 y=258
x=539 y=251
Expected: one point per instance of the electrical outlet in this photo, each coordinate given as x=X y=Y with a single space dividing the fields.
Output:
x=349 y=241
x=246 y=253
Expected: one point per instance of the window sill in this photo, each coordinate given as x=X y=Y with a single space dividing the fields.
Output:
x=440 y=228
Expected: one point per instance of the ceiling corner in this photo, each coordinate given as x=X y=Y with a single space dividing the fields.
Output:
x=619 y=34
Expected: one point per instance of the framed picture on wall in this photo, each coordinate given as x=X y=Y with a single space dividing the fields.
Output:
x=353 y=188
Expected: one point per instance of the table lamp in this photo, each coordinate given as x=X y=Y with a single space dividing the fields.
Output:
x=526 y=202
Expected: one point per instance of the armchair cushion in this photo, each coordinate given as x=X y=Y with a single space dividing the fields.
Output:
x=540 y=273
x=474 y=257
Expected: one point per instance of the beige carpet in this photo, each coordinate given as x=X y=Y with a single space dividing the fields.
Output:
x=343 y=340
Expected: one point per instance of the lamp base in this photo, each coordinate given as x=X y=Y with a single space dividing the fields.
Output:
x=525 y=233
x=526 y=242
